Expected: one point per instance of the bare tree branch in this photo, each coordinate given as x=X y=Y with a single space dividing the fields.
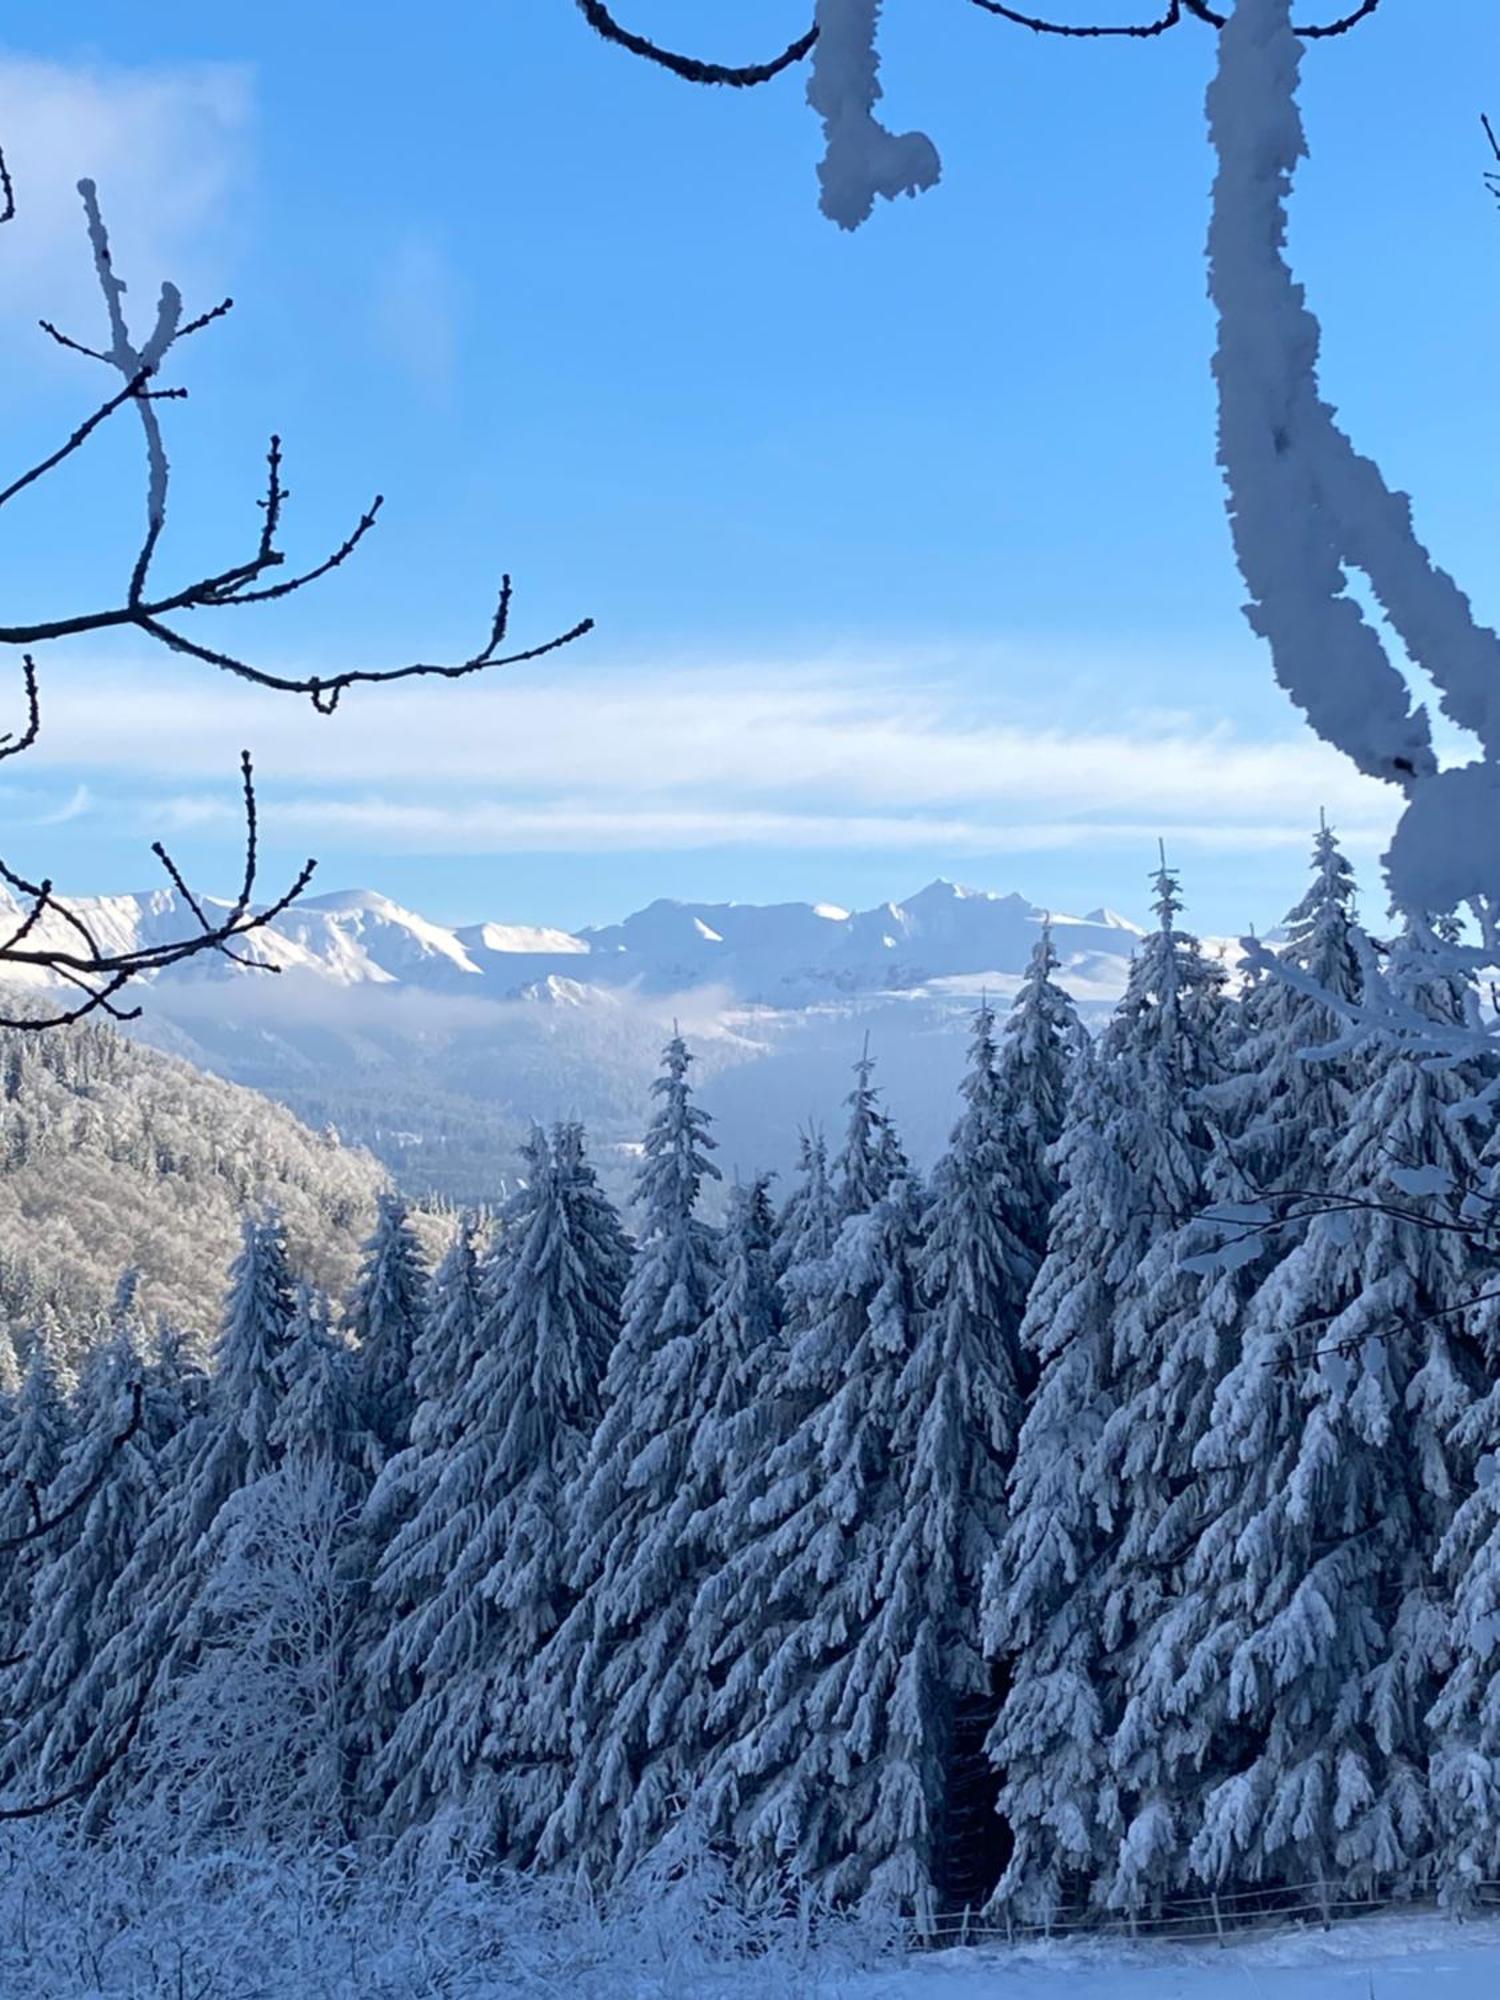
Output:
x=1177 y=10
x=691 y=68
x=49 y=936
x=1140 y=32
x=99 y=974
x=7 y=191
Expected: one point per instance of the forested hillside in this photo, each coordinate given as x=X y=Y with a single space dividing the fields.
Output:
x=114 y=1158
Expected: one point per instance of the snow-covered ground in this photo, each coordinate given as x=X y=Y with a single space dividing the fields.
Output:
x=1409 y=1957
x=81 y=1921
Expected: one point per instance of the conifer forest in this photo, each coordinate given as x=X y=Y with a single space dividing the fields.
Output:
x=764 y=1447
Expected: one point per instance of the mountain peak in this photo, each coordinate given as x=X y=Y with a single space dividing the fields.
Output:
x=1110 y=920
x=788 y=954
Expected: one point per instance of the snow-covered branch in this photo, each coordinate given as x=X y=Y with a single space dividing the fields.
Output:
x=1307 y=508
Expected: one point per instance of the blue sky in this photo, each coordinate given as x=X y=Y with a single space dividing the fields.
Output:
x=906 y=549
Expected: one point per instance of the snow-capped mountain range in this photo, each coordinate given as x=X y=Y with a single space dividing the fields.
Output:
x=436 y=1044
x=779 y=955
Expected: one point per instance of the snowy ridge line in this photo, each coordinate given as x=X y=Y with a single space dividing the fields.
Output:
x=1204 y=1917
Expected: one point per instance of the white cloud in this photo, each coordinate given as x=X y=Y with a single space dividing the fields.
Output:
x=569 y=827
x=166 y=145
x=755 y=754
x=74 y=807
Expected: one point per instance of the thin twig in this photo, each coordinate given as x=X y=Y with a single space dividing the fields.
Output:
x=12 y=745
x=737 y=77
x=1176 y=11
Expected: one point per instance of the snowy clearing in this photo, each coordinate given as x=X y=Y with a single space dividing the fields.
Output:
x=1388 y=1958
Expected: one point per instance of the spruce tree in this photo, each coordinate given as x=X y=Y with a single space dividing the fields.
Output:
x=699 y=1409
x=1269 y=1122
x=825 y=1621
x=1060 y=1597
x=445 y=1357
x=963 y=1399
x=1040 y=1039
x=808 y=1221
x=1464 y=1721
x=1324 y=1648
x=31 y=1454
x=584 y=1713
x=257 y=1733
x=384 y=1319
x=155 y=1618
x=472 y=1583
x=1292 y=1079
x=77 y=1609
x=871 y=1156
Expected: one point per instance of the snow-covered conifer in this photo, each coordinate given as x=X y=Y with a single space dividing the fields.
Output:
x=124 y=1469
x=699 y=1410
x=830 y=1620
x=808 y=1221
x=155 y=1620
x=31 y=1454
x=579 y=1710
x=385 y=1318
x=871 y=1155
x=963 y=1400
x=448 y=1345
x=1324 y=1644
x=1282 y=1106
x=258 y=1731
x=1040 y=1038
x=472 y=1584
x=1107 y=1303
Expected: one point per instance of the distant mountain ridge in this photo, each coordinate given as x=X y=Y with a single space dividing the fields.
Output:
x=776 y=954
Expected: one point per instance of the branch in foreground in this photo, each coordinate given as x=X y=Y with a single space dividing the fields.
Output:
x=49 y=936
x=239 y=583
x=695 y=69
x=690 y=68
x=99 y=975
x=1177 y=10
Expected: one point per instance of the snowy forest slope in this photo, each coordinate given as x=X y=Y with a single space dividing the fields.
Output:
x=114 y=1157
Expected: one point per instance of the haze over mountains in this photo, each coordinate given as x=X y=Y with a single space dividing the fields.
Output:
x=437 y=1045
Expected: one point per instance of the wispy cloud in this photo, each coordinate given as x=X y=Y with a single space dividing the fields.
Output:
x=80 y=802
x=564 y=827
x=773 y=736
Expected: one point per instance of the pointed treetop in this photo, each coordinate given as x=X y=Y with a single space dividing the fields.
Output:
x=872 y=1155
x=1167 y=902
